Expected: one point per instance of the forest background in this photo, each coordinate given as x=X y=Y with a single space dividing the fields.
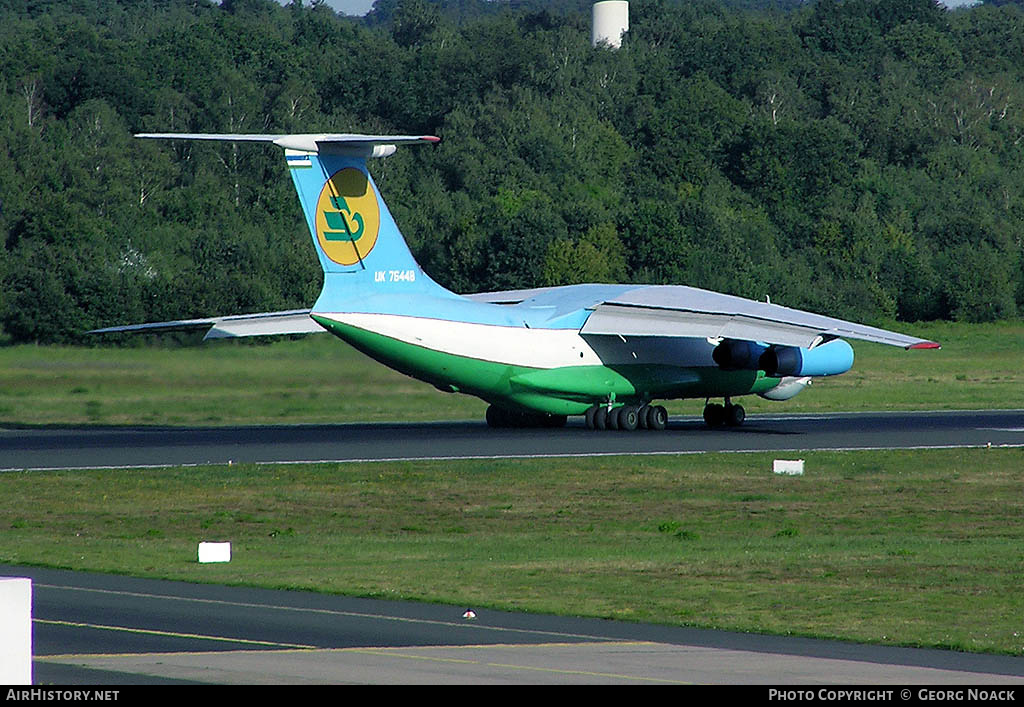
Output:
x=860 y=158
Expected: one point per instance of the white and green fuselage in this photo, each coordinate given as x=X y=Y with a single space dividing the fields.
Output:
x=554 y=371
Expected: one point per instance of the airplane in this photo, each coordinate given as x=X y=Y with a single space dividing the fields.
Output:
x=607 y=352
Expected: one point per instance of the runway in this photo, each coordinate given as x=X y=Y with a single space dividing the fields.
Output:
x=52 y=448
x=98 y=629
x=88 y=447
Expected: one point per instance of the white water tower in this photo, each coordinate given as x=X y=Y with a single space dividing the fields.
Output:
x=611 y=20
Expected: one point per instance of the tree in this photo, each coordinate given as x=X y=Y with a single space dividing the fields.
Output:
x=598 y=256
x=857 y=157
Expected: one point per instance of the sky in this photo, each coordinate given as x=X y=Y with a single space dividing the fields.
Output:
x=351 y=7
x=346 y=7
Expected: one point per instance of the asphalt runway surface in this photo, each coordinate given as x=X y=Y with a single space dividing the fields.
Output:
x=101 y=630
x=82 y=447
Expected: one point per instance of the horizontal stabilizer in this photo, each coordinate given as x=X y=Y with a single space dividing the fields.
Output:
x=308 y=142
x=294 y=321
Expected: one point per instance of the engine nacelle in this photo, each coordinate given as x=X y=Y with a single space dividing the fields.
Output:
x=738 y=355
x=828 y=359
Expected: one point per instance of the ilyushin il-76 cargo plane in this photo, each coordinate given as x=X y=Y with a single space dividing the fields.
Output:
x=606 y=352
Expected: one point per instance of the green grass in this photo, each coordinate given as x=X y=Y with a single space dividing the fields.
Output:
x=312 y=380
x=320 y=379
x=922 y=548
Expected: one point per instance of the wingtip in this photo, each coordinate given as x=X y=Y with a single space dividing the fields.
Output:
x=925 y=345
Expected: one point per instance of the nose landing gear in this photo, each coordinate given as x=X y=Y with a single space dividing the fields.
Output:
x=730 y=415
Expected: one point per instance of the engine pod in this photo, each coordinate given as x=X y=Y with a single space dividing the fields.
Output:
x=828 y=359
x=738 y=355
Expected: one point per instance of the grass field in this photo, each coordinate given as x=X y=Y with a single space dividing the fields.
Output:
x=910 y=548
x=319 y=379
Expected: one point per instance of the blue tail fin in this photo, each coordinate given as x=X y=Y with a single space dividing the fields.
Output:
x=360 y=248
x=359 y=245
x=352 y=229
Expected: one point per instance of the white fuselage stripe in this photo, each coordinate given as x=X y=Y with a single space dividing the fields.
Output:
x=515 y=346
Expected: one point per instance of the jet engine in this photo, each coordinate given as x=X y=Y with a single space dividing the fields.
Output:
x=829 y=359
x=738 y=355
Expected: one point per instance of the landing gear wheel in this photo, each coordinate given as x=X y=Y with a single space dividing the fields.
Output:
x=554 y=421
x=656 y=417
x=627 y=418
x=735 y=415
x=496 y=417
x=714 y=415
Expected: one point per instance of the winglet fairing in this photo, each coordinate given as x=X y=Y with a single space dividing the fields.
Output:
x=603 y=351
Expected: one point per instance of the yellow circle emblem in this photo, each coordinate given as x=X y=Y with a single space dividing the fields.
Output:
x=347 y=217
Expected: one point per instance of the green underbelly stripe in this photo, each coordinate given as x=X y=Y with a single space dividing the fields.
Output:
x=568 y=390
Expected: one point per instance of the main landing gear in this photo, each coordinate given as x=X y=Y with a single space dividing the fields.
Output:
x=716 y=415
x=501 y=417
x=621 y=417
x=626 y=417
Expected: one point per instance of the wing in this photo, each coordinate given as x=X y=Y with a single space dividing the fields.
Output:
x=293 y=321
x=675 y=310
x=678 y=310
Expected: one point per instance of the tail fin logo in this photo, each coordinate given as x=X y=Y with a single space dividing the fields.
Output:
x=347 y=217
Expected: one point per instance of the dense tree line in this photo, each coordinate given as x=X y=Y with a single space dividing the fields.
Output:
x=861 y=158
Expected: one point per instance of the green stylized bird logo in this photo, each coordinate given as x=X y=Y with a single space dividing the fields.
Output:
x=342 y=224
